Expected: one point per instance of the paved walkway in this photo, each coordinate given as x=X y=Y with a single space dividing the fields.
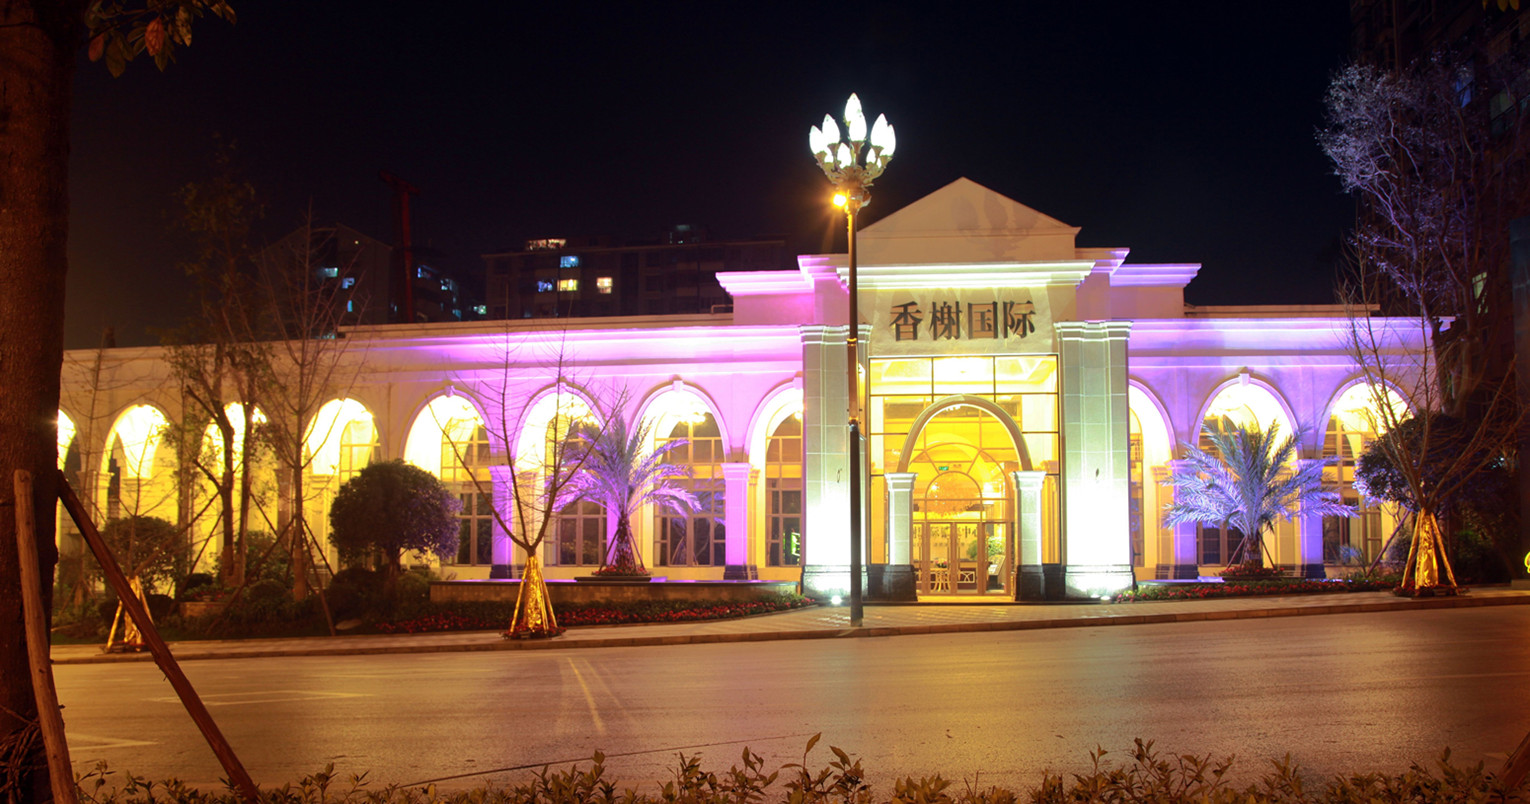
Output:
x=822 y=623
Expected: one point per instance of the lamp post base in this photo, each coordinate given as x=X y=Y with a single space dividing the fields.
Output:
x=892 y=583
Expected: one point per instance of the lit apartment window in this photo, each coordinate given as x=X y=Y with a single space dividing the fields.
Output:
x=603 y=284
x=481 y=309
x=544 y=286
x=568 y=285
x=570 y=261
x=329 y=271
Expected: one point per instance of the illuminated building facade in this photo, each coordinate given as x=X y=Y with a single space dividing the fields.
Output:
x=1024 y=397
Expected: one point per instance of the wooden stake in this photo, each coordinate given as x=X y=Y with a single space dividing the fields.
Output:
x=60 y=773
x=236 y=773
x=1517 y=766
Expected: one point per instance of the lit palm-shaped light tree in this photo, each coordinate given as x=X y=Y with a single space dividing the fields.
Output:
x=1249 y=479
x=623 y=475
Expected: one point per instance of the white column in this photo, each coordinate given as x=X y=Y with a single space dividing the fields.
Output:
x=900 y=516
x=1029 y=581
x=1096 y=491
x=736 y=520
x=501 y=548
x=1309 y=538
x=825 y=463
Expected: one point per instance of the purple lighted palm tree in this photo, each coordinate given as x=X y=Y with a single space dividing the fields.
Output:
x=1249 y=479
x=623 y=476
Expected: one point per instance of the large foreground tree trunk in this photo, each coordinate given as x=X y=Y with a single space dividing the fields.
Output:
x=37 y=49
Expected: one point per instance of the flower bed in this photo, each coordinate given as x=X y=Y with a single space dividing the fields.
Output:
x=486 y=616
x=1204 y=591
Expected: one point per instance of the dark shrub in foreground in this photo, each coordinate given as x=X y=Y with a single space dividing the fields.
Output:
x=1146 y=777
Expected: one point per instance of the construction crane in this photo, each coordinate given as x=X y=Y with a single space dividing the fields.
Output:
x=403 y=246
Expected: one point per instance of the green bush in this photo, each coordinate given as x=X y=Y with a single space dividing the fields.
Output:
x=193 y=583
x=1146 y=777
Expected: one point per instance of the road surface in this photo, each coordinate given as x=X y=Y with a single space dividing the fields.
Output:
x=1339 y=693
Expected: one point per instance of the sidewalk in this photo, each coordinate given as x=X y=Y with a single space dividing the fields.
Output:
x=821 y=623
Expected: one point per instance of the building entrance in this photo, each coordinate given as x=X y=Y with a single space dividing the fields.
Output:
x=962 y=557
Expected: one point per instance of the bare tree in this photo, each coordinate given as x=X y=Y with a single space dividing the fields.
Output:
x=306 y=361
x=540 y=472
x=211 y=356
x=1438 y=179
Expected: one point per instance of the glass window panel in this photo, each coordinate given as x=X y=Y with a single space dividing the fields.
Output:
x=1038 y=413
x=963 y=375
x=1043 y=449
x=902 y=376
x=485 y=542
x=1026 y=374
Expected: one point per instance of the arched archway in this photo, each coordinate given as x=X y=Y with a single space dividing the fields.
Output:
x=1246 y=403
x=775 y=451
x=682 y=415
x=580 y=531
x=449 y=440
x=1359 y=415
x=963 y=452
x=342 y=440
x=138 y=468
x=1151 y=449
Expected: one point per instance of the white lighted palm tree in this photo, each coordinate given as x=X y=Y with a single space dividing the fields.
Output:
x=623 y=475
x=1249 y=479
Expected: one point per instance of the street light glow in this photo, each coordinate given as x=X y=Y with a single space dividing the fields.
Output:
x=840 y=200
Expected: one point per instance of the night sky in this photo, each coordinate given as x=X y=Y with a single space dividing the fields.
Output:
x=1183 y=131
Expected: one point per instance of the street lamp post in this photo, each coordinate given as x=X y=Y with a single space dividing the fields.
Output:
x=852 y=164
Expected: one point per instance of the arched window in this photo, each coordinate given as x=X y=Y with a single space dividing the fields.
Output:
x=1239 y=405
x=1355 y=423
x=449 y=439
x=697 y=539
x=783 y=489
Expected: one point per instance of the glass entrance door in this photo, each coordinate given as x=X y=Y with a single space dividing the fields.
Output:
x=963 y=557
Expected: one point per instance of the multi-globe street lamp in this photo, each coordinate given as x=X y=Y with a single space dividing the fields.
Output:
x=852 y=164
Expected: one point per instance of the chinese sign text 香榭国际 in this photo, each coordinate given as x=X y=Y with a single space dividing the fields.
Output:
x=994 y=319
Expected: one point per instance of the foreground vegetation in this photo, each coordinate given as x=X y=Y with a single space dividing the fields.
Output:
x=364 y=602
x=1145 y=776
x=1257 y=587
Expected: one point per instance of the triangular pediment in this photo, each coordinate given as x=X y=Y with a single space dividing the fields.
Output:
x=967 y=222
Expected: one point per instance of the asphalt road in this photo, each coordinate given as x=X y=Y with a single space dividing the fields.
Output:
x=1339 y=693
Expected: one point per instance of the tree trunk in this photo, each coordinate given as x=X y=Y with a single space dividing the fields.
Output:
x=229 y=571
x=297 y=534
x=246 y=452
x=623 y=557
x=38 y=40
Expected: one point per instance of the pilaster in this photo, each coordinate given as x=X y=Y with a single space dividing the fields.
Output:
x=736 y=519
x=1095 y=445
x=898 y=578
x=1030 y=581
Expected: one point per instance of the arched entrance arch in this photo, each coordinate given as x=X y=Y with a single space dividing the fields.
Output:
x=973 y=401
x=963 y=453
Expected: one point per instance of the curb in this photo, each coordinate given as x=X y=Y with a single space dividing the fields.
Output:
x=498 y=644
